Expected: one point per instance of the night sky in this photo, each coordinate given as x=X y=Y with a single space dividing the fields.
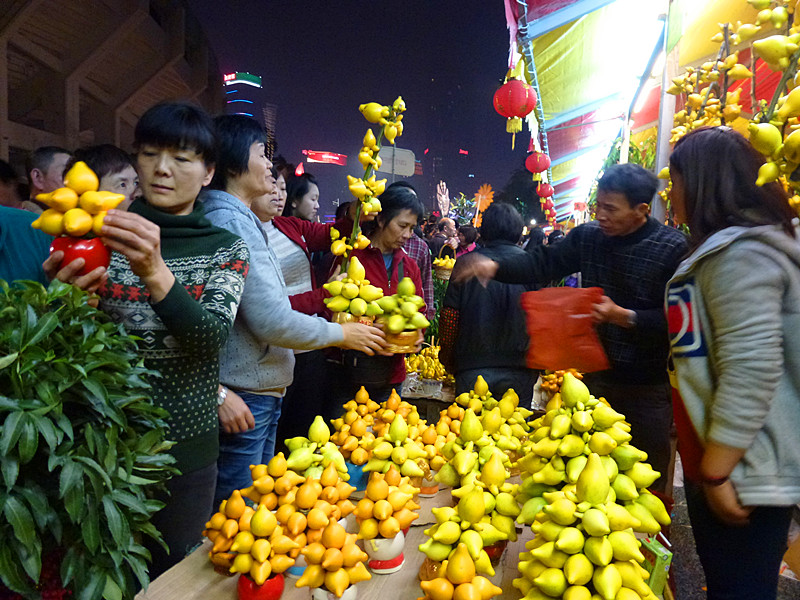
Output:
x=320 y=60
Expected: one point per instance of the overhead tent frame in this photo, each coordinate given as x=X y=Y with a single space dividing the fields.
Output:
x=551 y=20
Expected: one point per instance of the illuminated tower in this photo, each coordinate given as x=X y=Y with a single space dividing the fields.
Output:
x=244 y=95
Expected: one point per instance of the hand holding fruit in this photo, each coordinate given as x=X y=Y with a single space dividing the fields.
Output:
x=140 y=241
x=365 y=338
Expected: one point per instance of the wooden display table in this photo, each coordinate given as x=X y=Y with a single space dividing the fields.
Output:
x=194 y=577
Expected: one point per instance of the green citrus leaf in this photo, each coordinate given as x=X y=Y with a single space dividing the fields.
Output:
x=21 y=521
x=7 y=360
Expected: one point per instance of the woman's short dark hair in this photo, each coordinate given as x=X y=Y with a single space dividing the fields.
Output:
x=536 y=238
x=555 y=236
x=179 y=125
x=104 y=159
x=636 y=183
x=469 y=232
x=719 y=168
x=394 y=200
x=235 y=135
x=501 y=221
x=297 y=186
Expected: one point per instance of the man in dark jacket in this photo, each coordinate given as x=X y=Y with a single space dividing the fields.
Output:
x=483 y=328
x=632 y=257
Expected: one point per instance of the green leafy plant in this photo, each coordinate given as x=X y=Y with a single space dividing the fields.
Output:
x=462 y=209
x=82 y=447
x=439 y=289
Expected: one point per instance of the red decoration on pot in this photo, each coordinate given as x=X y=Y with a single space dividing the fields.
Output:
x=544 y=190
x=93 y=251
x=250 y=590
x=514 y=100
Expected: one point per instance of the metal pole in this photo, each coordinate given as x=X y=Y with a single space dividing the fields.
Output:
x=666 y=114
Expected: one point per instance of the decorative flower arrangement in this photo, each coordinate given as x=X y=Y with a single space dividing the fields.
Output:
x=335 y=562
x=303 y=507
x=354 y=295
x=773 y=128
x=78 y=210
x=385 y=511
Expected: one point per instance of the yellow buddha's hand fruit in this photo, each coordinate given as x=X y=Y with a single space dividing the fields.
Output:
x=95 y=202
x=373 y=112
x=62 y=199
x=97 y=222
x=77 y=222
x=81 y=178
x=355 y=270
x=50 y=222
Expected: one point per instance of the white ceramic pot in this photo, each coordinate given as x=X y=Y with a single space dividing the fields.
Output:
x=385 y=554
x=322 y=594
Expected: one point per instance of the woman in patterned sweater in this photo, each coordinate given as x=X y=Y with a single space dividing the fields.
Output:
x=175 y=282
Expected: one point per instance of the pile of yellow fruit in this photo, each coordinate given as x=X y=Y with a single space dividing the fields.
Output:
x=334 y=561
x=427 y=364
x=77 y=208
x=447 y=262
x=353 y=432
x=310 y=455
x=354 y=294
x=387 y=506
x=484 y=516
x=459 y=580
x=552 y=380
x=590 y=484
x=397 y=446
x=401 y=310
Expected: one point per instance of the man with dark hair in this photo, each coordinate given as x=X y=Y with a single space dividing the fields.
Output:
x=482 y=329
x=631 y=256
x=46 y=167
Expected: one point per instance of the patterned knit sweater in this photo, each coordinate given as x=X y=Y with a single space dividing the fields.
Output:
x=181 y=336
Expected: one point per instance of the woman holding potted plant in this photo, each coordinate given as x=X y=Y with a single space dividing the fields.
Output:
x=175 y=282
x=386 y=263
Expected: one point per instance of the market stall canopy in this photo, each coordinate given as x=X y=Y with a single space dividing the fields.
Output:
x=589 y=58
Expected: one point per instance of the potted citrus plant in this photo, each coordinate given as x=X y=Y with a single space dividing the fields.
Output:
x=81 y=448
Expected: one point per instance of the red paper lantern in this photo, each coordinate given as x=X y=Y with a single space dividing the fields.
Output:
x=547 y=204
x=514 y=100
x=537 y=162
x=544 y=190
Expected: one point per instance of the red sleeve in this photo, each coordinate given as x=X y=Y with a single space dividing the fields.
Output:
x=317 y=235
x=310 y=303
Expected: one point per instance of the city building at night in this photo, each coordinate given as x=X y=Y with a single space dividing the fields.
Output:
x=245 y=95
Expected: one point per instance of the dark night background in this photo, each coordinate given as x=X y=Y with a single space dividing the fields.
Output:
x=320 y=60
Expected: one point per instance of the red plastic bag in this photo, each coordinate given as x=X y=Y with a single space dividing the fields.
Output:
x=561 y=330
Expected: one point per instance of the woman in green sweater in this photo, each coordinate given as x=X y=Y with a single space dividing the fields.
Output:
x=175 y=282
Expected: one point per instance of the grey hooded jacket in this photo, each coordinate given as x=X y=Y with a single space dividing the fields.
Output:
x=257 y=357
x=734 y=317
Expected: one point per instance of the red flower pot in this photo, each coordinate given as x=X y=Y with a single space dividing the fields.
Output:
x=250 y=590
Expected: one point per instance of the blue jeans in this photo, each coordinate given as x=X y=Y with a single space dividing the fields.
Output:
x=237 y=451
x=740 y=563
